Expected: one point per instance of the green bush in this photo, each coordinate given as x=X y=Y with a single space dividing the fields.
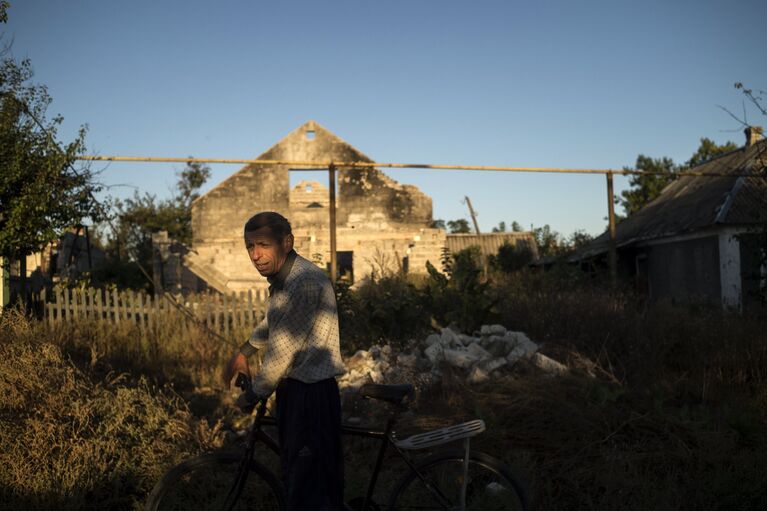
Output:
x=511 y=258
x=461 y=297
x=387 y=310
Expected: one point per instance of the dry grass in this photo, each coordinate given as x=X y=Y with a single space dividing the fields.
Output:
x=69 y=442
x=664 y=408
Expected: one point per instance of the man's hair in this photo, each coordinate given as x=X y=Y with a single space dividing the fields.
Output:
x=278 y=225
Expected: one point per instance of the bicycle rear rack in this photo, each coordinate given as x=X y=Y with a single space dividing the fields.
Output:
x=442 y=435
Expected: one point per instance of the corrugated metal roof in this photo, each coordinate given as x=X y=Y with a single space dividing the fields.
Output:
x=693 y=203
x=490 y=243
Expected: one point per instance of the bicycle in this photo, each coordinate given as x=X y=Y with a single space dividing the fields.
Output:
x=451 y=479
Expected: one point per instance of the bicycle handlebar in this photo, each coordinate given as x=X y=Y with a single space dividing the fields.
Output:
x=244 y=382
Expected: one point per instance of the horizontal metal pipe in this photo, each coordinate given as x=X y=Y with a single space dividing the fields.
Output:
x=314 y=165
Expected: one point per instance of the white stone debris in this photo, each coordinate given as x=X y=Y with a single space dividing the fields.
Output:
x=481 y=358
x=482 y=371
x=523 y=347
x=478 y=352
x=450 y=339
x=549 y=365
x=460 y=358
x=492 y=330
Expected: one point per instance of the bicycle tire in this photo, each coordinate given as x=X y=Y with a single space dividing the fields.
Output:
x=203 y=483
x=492 y=485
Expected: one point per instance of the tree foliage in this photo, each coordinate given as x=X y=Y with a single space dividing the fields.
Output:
x=137 y=218
x=657 y=173
x=709 y=149
x=41 y=191
x=460 y=226
x=645 y=187
x=511 y=258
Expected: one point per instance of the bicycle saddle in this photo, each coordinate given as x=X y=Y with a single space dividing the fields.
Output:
x=391 y=393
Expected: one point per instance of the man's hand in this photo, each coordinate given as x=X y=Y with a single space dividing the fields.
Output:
x=237 y=364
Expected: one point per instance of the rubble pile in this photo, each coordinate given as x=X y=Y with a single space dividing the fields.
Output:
x=492 y=352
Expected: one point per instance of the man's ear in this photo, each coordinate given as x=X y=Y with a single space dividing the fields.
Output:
x=287 y=243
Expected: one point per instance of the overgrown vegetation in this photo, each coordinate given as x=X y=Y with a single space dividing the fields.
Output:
x=394 y=308
x=77 y=439
x=663 y=407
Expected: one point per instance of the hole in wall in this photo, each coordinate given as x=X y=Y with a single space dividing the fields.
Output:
x=310 y=134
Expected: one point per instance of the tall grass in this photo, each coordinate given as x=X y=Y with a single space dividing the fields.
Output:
x=74 y=441
x=664 y=408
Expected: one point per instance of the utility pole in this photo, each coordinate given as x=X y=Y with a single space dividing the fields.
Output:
x=472 y=213
x=613 y=252
x=332 y=193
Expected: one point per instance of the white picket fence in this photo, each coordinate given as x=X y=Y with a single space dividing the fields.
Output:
x=222 y=313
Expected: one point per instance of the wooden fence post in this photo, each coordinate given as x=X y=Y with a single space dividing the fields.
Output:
x=115 y=307
x=250 y=309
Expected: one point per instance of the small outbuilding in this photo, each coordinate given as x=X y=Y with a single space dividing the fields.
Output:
x=704 y=238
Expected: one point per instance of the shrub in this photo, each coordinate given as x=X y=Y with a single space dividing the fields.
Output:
x=461 y=298
x=387 y=310
x=511 y=258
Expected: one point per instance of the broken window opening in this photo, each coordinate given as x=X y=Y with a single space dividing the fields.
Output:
x=310 y=134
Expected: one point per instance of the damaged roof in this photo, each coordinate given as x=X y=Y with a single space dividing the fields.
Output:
x=693 y=203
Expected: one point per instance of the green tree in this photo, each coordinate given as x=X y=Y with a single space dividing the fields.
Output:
x=548 y=241
x=42 y=193
x=709 y=149
x=516 y=227
x=460 y=226
x=645 y=187
x=501 y=227
x=137 y=218
x=511 y=258
x=438 y=224
x=578 y=239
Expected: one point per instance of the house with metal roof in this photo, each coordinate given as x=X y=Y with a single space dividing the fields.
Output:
x=701 y=239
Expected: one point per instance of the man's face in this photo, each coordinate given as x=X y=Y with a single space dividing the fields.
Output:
x=266 y=252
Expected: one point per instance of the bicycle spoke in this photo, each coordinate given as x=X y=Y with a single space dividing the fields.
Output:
x=206 y=488
x=486 y=490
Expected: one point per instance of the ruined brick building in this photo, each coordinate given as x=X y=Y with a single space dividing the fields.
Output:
x=380 y=222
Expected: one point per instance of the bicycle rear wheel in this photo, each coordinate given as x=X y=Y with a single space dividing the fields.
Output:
x=490 y=486
x=203 y=484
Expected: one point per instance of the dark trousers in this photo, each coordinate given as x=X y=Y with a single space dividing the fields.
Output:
x=309 y=425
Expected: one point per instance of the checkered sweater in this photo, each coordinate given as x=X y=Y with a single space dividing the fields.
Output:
x=299 y=333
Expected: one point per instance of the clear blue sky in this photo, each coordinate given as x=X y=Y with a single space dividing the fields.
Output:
x=574 y=84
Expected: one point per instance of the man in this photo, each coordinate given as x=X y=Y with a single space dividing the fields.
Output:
x=299 y=336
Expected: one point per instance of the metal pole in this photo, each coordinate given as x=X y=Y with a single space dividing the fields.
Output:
x=313 y=165
x=472 y=213
x=332 y=190
x=613 y=254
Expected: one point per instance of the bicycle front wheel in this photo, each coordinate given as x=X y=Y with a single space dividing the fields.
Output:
x=203 y=484
x=490 y=485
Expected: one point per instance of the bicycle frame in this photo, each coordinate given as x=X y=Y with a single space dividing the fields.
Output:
x=385 y=437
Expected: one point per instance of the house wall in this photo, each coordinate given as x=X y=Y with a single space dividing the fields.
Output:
x=684 y=271
x=219 y=215
x=382 y=222
x=753 y=270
